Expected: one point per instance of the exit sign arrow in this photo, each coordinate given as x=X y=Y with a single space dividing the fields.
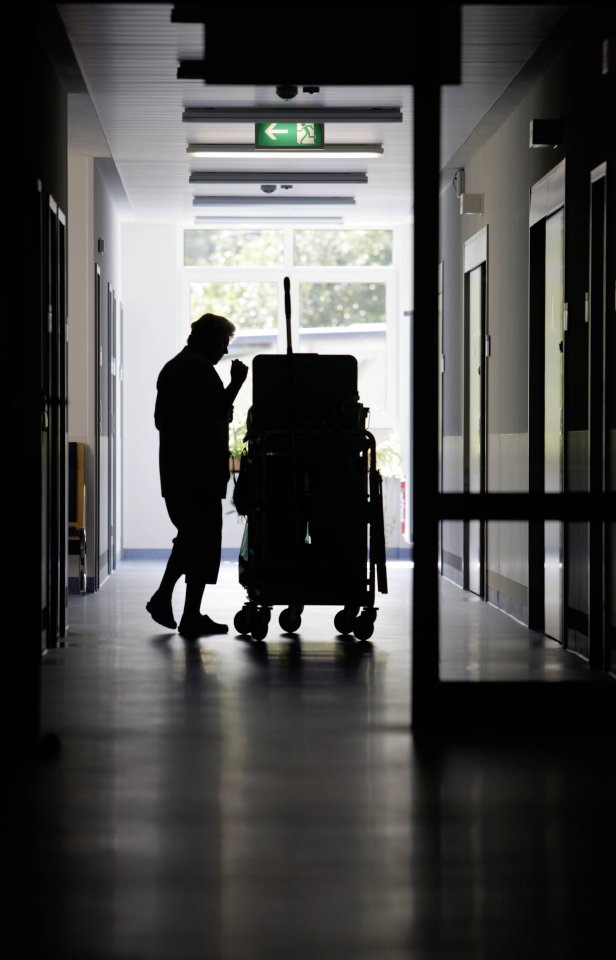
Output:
x=298 y=136
x=272 y=129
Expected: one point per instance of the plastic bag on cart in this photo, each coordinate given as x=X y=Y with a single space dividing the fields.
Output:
x=243 y=559
x=242 y=489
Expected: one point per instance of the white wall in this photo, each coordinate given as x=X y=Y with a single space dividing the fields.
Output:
x=404 y=264
x=81 y=388
x=80 y=300
x=153 y=333
x=151 y=297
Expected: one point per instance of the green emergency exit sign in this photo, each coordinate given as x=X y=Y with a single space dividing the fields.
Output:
x=282 y=133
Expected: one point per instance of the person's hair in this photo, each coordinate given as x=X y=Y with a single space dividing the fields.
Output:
x=209 y=326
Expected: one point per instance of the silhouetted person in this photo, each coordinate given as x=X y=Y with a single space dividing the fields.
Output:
x=192 y=415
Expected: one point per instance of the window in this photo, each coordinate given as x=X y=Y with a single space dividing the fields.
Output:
x=232 y=248
x=342 y=299
x=343 y=248
x=252 y=306
x=349 y=318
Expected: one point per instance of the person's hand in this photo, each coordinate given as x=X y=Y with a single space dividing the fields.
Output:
x=239 y=372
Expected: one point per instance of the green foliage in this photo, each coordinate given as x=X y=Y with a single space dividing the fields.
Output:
x=341 y=304
x=388 y=459
x=237 y=432
x=342 y=248
x=233 y=248
x=314 y=248
x=256 y=304
x=245 y=304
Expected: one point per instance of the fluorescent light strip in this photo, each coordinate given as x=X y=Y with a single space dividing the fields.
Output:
x=297 y=113
x=247 y=151
x=265 y=219
x=226 y=176
x=215 y=201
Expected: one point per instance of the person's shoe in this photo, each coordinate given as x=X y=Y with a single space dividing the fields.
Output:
x=161 y=611
x=200 y=626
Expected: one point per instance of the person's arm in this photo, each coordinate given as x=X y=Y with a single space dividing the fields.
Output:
x=239 y=372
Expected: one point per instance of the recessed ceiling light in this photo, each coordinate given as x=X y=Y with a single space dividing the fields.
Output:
x=247 y=151
x=290 y=220
x=284 y=177
x=216 y=201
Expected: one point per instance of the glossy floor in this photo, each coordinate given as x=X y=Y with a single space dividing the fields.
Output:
x=255 y=801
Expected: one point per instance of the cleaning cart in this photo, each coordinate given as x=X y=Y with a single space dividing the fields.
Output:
x=311 y=493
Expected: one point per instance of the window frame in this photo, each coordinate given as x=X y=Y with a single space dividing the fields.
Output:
x=387 y=418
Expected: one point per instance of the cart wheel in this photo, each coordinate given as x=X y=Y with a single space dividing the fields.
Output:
x=241 y=621
x=259 y=624
x=344 y=621
x=290 y=620
x=364 y=626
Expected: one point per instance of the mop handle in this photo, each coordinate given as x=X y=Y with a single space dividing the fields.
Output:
x=287 y=311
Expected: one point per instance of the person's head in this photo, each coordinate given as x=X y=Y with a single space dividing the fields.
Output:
x=210 y=335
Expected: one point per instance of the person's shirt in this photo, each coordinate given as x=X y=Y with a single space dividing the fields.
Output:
x=192 y=417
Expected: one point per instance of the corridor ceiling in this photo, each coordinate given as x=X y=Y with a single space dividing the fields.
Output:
x=131 y=112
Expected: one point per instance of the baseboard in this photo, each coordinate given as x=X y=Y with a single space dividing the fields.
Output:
x=232 y=553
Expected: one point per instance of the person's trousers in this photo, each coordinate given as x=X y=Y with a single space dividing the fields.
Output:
x=197 y=546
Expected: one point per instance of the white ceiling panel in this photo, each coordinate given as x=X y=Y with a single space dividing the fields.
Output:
x=129 y=54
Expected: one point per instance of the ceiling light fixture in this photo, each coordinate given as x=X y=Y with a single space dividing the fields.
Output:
x=297 y=113
x=215 y=201
x=285 y=176
x=247 y=151
x=290 y=220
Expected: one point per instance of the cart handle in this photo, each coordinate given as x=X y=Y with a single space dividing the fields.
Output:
x=287 y=311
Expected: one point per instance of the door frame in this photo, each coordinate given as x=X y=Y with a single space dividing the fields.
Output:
x=547 y=196
x=476 y=257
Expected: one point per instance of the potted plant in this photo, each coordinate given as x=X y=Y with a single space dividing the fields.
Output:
x=237 y=445
x=232 y=532
x=388 y=459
